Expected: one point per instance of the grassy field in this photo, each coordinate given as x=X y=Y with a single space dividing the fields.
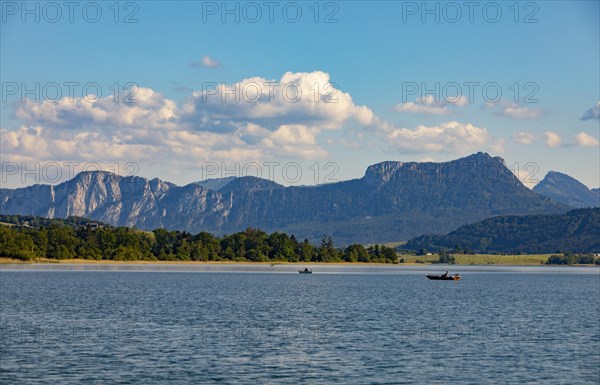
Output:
x=483 y=259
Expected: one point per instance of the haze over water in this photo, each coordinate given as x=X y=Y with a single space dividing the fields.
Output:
x=151 y=324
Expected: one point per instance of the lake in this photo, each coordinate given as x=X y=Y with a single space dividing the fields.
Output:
x=179 y=324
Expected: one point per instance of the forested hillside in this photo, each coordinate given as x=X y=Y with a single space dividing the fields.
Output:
x=577 y=231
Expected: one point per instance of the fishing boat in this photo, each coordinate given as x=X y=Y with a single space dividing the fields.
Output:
x=443 y=277
x=305 y=271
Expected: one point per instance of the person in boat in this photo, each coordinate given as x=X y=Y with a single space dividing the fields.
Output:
x=306 y=269
x=445 y=275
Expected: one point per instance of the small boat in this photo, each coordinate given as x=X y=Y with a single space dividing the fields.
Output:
x=305 y=271
x=443 y=277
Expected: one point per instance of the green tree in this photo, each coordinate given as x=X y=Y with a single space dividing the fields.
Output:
x=327 y=251
x=211 y=243
x=198 y=252
x=127 y=253
x=356 y=253
x=306 y=252
x=389 y=254
x=183 y=251
x=14 y=244
x=282 y=247
x=62 y=242
x=445 y=257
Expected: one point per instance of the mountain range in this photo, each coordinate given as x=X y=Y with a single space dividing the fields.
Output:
x=567 y=190
x=393 y=201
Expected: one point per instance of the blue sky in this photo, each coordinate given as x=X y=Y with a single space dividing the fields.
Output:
x=372 y=51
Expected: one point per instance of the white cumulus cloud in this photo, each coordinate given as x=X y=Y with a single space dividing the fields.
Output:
x=452 y=137
x=207 y=62
x=256 y=118
x=296 y=98
x=143 y=107
x=524 y=137
x=282 y=118
x=552 y=139
x=510 y=109
x=585 y=140
x=428 y=105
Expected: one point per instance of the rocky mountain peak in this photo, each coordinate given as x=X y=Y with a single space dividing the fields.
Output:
x=95 y=176
x=383 y=171
x=249 y=184
x=565 y=189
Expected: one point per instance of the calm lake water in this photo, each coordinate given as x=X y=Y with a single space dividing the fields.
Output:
x=155 y=324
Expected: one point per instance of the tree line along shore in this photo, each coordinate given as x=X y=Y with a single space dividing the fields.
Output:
x=63 y=241
x=28 y=238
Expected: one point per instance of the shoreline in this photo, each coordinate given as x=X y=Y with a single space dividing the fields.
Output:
x=46 y=261
x=77 y=261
